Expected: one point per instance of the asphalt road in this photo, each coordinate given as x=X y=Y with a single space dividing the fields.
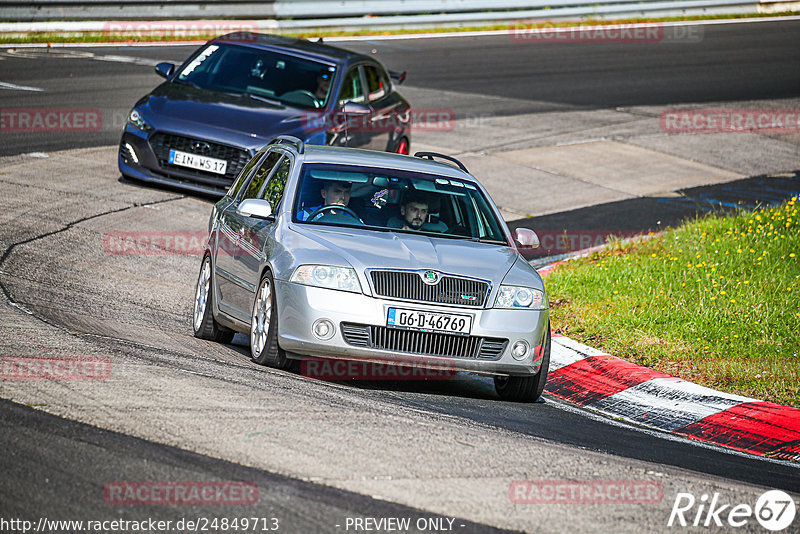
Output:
x=58 y=470
x=401 y=442
x=730 y=62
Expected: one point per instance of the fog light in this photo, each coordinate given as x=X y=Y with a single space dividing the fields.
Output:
x=323 y=329
x=520 y=349
x=132 y=153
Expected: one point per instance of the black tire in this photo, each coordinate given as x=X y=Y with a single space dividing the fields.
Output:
x=525 y=388
x=203 y=322
x=264 y=327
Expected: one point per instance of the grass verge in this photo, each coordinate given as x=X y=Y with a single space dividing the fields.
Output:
x=715 y=301
x=166 y=36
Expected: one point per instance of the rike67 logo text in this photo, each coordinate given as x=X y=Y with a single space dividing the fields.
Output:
x=774 y=511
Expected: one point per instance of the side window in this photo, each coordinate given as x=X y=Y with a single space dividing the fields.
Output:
x=261 y=175
x=352 y=91
x=273 y=192
x=244 y=174
x=377 y=84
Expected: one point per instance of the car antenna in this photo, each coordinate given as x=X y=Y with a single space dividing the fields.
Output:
x=319 y=40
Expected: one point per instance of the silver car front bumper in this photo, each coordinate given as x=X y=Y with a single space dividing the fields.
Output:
x=300 y=306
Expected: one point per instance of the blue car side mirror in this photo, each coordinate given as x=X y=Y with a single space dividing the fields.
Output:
x=165 y=69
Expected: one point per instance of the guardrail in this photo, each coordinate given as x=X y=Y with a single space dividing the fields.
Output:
x=299 y=15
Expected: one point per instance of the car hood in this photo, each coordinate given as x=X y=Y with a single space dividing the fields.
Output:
x=394 y=250
x=230 y=119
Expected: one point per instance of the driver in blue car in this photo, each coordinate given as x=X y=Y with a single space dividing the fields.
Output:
x=323 y=86
x=333 y=193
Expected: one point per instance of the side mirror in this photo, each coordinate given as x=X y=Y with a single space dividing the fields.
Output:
x=354 y=108
x=165 y=69
x=253 y=207
x=526 y=238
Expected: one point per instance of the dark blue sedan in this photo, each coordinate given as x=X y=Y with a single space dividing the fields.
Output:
x=237 y=92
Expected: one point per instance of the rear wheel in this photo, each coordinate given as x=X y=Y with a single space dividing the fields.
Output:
x=525 y=388
x=205 y=326
x=264 y=327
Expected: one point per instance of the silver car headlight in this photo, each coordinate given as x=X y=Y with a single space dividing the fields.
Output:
x=520 y=297
x=136 y=120
x=341 y=278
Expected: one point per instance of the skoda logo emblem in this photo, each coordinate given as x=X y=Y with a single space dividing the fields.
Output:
x=199 y=147
x=430 y=277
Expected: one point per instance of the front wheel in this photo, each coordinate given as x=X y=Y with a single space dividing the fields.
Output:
x=525 y=388
x=205 y=326
x=264 y=327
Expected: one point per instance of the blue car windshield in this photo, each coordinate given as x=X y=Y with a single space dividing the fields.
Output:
x=261 y=74
x=392 y=200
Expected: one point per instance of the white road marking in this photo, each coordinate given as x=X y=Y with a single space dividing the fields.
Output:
x=667 y=403
x=590 y=413
x=38 y=53
x=15 y=87
x=562 y=355
x=128 y=59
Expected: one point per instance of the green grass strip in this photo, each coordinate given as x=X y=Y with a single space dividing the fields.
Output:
x=715 y=301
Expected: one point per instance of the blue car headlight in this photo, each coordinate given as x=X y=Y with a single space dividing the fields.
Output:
x=341 y=278
x=520 y=297
x=136 y=120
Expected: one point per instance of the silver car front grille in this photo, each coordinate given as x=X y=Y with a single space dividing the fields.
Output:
x=450 y=290
x=423 y=343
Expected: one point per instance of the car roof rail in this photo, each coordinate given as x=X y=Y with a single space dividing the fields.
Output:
x=290 y=139
x=431 y=155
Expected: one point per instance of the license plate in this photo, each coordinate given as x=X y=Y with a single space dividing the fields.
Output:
x=429 y=321
x=196 y=161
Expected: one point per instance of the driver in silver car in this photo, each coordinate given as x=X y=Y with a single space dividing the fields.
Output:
x=334 y=193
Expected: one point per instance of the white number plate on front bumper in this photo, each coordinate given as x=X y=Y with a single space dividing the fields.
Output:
x=429 y=321
x=195 y=161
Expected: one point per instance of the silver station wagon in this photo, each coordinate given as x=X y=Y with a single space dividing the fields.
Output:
x=339 y=253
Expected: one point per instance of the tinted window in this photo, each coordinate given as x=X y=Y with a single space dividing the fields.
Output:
x=244 y=174
x=261 y=75
x=261 y=175
x=273 y=192
x=398 y=201
x=377 y=84
x=352 y=91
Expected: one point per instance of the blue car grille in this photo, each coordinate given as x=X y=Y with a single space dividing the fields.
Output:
x=423 y=343
x=449 y=290
x=237 y=158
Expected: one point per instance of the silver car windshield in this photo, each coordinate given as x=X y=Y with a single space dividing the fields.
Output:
x=399 y=201
x=263 y=75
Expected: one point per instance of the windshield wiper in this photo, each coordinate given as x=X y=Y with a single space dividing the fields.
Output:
x=187 y=82
x=485 y=240
x=273 y=102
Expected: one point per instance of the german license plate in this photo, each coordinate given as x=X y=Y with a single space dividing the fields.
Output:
x=429 y=321
x=196 y=161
